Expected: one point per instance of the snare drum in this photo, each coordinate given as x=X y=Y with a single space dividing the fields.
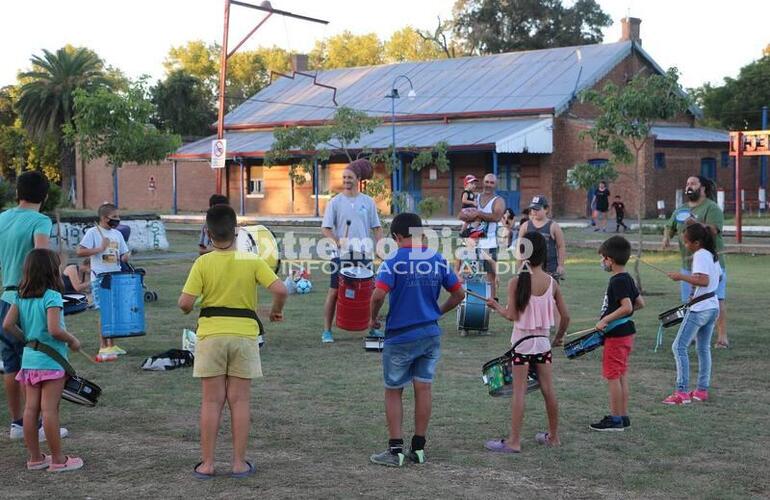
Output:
x=74 y=303
x=584 y=344
x=497 y=375
x=373 y=343
x=261 y=241
x=672 y=317
x=473 y=313
x=80 y=391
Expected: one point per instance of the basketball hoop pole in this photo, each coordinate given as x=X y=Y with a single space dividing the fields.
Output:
x=265 y=7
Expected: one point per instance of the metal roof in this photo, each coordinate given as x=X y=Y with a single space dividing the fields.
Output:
x=689 y=134
x=533 y=135
x=531 y=80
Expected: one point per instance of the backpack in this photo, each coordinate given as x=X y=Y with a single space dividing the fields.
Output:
x=169 y=360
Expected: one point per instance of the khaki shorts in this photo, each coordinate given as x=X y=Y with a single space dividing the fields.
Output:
x=230 y=355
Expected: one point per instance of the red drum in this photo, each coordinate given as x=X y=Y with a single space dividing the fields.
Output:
x=354 y=297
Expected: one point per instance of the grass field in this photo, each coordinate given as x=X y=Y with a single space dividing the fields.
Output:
x=318 y=412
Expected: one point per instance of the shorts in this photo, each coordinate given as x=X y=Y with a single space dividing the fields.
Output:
x=488 y=266
x=685 y=289
x=231 y=355
x=408 y=361
x=533 y=359
x=615 y=357
x=338 y=264
x=12 y=348
x=30 y=376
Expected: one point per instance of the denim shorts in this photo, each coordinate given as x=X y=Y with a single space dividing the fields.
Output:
x=685 y=288
x=402 y=363
x=11 y=347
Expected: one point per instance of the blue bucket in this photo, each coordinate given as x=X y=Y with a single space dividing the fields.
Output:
x=121 y=305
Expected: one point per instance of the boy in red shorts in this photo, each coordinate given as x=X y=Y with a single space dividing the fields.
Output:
x=620 y=301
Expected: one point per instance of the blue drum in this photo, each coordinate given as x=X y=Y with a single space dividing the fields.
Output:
x=473 y=313
x=121 y=304
x=584 y=344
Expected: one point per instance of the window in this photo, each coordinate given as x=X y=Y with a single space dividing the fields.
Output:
x=660 y=161
x=508 y=177
x=708 y=168
x=255 y=184
x=598 y=162
x=725 y=159
x=323 y=179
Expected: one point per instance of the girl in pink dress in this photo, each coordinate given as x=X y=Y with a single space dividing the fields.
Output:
x=532 y=297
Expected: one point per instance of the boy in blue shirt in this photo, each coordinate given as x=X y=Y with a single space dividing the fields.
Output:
x=413 y=278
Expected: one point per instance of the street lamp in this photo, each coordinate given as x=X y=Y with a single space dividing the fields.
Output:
x=393 y=96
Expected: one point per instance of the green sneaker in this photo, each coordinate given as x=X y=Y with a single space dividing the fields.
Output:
x=388 y=459
x=416 y=456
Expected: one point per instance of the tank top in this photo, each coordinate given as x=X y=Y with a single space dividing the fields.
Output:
x=552 y=256
x=490 y=240
x=536 y=319
x=68 y=288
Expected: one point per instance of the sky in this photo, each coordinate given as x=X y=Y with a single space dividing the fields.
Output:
x=706 y=39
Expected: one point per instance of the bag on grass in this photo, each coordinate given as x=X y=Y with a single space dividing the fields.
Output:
x=169 y=360
x=189 y=339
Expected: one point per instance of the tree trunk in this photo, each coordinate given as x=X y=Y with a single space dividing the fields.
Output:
x=67 y=171
x=639 y=204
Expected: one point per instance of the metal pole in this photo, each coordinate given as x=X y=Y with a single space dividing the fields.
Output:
x=495 y=168
x=174 y=208
x=315 y=186
x=222 y=88
x=738 y=219
x=115 y=186
x=763 y=159
x=451 y=188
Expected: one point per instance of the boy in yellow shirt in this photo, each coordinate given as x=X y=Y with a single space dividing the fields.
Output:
x=227 y=354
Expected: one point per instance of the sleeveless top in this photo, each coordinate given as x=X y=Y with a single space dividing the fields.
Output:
x=490 y=240
x=68 y=287
x=552 y=256
x=536 y=319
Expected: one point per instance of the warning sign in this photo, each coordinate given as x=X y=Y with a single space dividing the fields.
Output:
x=218 y=153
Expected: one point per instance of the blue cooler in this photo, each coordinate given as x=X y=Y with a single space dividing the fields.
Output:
x=121 y=304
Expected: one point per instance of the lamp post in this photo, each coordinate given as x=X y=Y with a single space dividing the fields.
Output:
x=393 y=96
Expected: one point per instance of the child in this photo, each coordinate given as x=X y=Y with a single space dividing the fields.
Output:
x=227 y=355
x=620 y=301
x=699 y=321
x=470 y=200
x=413 y=278
x=105 y=245
x=77 y=278
x=620 y=213
x=37 y=315
x=204 y=244
x=532 y=296
x=22 y=228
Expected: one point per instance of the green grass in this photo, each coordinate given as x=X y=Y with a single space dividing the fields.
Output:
x=318 y=412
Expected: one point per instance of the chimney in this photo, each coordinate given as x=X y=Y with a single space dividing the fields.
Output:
x=299 y=62
x=631 y=30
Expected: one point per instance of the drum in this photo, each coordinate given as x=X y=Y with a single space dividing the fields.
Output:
x=259 y=240
x=354 y=297
x=374 y=344
x=80 y=391
x=74 y=303
x=672 y=317
x=473 y=313
x=497 y=375
x=121 y=304
x=584 y=344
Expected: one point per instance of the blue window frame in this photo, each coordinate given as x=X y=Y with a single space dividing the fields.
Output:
x=660 y=161
x=708 y=168
x=724 y=159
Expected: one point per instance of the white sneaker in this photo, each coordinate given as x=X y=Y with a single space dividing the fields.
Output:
x=17 y=432
x=63 y=433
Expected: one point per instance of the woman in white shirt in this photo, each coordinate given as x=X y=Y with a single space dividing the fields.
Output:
x=701 y=318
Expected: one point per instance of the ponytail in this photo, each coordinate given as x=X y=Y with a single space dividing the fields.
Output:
x=523 y=287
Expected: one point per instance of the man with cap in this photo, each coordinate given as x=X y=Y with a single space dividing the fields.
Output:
x=348 y=220
x=550 y=229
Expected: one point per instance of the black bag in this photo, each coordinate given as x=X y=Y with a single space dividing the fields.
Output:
x=169 y=360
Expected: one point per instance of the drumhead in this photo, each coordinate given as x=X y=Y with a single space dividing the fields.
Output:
x=74 y=297
x=357 y=273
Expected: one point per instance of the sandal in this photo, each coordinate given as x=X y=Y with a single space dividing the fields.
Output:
x=499 y=446
x=201 y=475
x=721 y=344
x=41 y=465
x=248 y=472
x=544 y=438
x=70 y=463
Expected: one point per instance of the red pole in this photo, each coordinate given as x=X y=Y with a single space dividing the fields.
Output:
x=222 y=88
x=738 y=220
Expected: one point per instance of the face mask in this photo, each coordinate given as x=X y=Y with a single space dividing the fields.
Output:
x=113 y=223
x=692 y=195
x=605 y=267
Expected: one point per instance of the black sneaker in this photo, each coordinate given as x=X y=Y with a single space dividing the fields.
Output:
x=416 y=456
x=607 y=425
x=626 y=422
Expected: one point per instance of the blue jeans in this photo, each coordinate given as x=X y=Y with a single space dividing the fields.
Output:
x=698 y=325
x=11 y=347
x=402 y=363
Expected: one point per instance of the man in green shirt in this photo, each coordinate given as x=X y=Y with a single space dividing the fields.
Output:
x=700 y=208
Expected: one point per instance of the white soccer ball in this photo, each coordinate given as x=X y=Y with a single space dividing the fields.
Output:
x=303 y=286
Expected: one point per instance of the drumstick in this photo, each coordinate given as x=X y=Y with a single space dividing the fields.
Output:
x=347 y=231
x=581 y=332
x=654 y=267
x=81 y=351
x=477 y=295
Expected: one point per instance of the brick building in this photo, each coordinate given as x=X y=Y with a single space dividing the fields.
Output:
x=513 y=114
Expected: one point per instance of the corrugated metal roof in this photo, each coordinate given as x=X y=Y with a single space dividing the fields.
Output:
x=533 y=135
x=530 y=80
x=690 y=134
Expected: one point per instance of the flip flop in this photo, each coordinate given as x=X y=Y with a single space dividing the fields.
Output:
x=71 y=463
x=201 y=475
x=249 y=472
x=41 y=465
x=543 y=438
x=722 y=345
x=499 y=446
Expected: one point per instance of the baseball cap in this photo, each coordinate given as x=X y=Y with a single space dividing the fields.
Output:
x=469 y=179
x=538 y=202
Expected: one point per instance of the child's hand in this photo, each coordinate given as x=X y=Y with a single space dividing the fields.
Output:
x=601 y=325
x=491 y=302
x=375 y=324
x=675 y=276
x=105 y=244
x=276 y=316
x=74 y=344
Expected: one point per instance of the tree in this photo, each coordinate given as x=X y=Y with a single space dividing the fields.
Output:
x=495 y=26
x=442 y=38
x=626 y=116
x=116 y=126
x=184 y=105
x=347 y=50
x=408 y=44
x=46 y=100
x=738 y=102
x=196 y=58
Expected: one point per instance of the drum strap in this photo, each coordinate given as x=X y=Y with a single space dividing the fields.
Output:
x=527 y=337
x=700 y=298
x=232 y=312
x=53 y=354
